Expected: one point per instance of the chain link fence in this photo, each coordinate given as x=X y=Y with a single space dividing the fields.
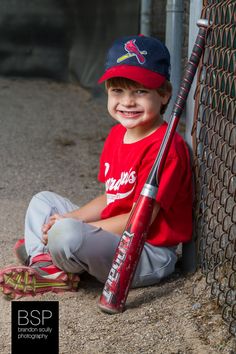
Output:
x=214 y=138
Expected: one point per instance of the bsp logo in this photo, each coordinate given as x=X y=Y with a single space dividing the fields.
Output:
x=35 y=327
x=34 y=317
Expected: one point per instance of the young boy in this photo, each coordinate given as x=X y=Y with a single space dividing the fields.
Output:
x=62 y=240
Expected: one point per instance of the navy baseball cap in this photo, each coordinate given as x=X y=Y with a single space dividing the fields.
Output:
x=143 y=59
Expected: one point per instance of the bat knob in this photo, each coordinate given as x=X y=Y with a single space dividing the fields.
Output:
x=202 y=22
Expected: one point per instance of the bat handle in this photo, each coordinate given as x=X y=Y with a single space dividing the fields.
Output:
x=191 y=68
x=180 y=101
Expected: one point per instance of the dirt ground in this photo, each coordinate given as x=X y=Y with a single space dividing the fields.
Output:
x=50 y=139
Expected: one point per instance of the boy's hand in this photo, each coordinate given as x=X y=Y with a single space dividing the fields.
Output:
x=46 y=227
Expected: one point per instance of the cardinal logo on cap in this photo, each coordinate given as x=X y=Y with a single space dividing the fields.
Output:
x=133 y=50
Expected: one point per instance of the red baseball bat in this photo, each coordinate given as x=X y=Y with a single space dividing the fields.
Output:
x=132 y=241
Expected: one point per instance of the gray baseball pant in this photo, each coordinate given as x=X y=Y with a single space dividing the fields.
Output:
x=77 y=247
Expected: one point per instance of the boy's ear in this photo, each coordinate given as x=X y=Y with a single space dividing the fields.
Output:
x=165 y=98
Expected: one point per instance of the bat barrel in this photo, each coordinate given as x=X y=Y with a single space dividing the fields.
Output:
x=126 y=258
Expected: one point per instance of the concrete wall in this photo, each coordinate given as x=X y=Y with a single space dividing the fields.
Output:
x=159 y=19
x=68 y=39
x=159 y=23
x=34 y=38
x=62 y=39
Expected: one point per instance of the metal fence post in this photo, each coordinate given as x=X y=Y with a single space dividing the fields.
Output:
x=189 y=252
x=173 y=41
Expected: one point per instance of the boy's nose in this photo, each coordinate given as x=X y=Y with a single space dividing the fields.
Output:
x=128 y=100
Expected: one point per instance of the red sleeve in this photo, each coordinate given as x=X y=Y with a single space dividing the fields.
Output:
x=101 y=172
x=176 y=178
x=170 y=182
x=109 y=146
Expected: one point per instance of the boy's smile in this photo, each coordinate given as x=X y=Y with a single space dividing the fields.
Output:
x=129 y=114
x=137 y=109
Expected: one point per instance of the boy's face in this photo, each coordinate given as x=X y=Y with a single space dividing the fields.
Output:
x=136 y=108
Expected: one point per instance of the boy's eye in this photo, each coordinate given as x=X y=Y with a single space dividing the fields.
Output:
x=116 y=90
x=141 y=91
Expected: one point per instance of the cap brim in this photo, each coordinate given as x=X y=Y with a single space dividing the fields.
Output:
x=143 y=76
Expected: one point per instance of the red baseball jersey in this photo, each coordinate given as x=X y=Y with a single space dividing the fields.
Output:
x=124 y=169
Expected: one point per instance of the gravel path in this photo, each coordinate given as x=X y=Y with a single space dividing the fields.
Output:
x=50 y=139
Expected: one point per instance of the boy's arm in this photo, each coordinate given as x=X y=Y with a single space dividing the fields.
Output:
x=116 y=224
x=89 y=212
